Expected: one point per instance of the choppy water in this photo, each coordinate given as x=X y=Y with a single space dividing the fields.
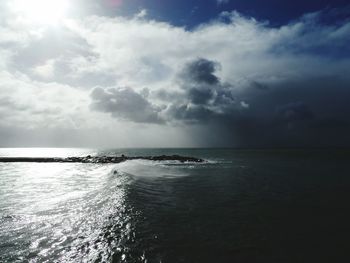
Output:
x=240 y=206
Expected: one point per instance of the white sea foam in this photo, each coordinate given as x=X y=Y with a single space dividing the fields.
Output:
x=146 y=168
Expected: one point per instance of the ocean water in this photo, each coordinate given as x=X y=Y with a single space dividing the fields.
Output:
x=239 y=206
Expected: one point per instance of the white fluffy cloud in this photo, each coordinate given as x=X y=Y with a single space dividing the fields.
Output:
x=143 y=52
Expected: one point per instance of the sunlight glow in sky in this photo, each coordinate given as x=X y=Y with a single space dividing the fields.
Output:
x=41 y=11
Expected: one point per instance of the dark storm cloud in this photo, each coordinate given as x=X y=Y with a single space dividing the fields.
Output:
x=201 y=71
x=205 y=96
x=294 y=112
x=259 y=85
x=126 y=104
x=188 y=113
x=203 y=87
x=200 y=96
x=301 y=112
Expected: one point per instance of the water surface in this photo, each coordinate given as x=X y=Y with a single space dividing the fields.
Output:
x=240 y=206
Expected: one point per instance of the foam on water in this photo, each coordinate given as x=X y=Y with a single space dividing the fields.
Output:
x=153 y=169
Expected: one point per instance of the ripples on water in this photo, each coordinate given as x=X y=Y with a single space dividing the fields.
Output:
x=60 y=210
x=72 y=212
x=240 y=205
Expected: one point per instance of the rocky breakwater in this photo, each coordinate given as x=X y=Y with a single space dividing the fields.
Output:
x=99 y=159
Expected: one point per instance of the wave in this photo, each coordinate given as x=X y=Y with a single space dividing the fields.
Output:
x=156 y=169
x=153 y=169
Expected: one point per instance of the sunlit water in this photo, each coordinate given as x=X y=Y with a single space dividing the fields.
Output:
x=239 y=206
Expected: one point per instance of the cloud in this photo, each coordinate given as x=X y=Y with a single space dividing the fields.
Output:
x=204 y=96
x=141 y=14
x=46 y=70
x=126 y=104
x=294 y=111
x=201 y=71
x=262 y=115
x=233 y=81
x=149 y=53
x=30 y=104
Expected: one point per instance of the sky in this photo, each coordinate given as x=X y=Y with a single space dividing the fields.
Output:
x=186 y=73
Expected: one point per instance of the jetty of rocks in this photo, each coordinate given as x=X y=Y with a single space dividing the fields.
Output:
x=98 y=159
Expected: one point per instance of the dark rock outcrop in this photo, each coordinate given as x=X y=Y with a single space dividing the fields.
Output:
x=99 y=159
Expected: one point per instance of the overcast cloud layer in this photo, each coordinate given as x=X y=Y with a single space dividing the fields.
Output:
x=118 y=82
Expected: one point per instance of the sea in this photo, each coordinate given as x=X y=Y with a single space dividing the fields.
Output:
x=240 y=205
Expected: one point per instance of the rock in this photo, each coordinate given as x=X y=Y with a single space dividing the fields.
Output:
x=101 y=159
